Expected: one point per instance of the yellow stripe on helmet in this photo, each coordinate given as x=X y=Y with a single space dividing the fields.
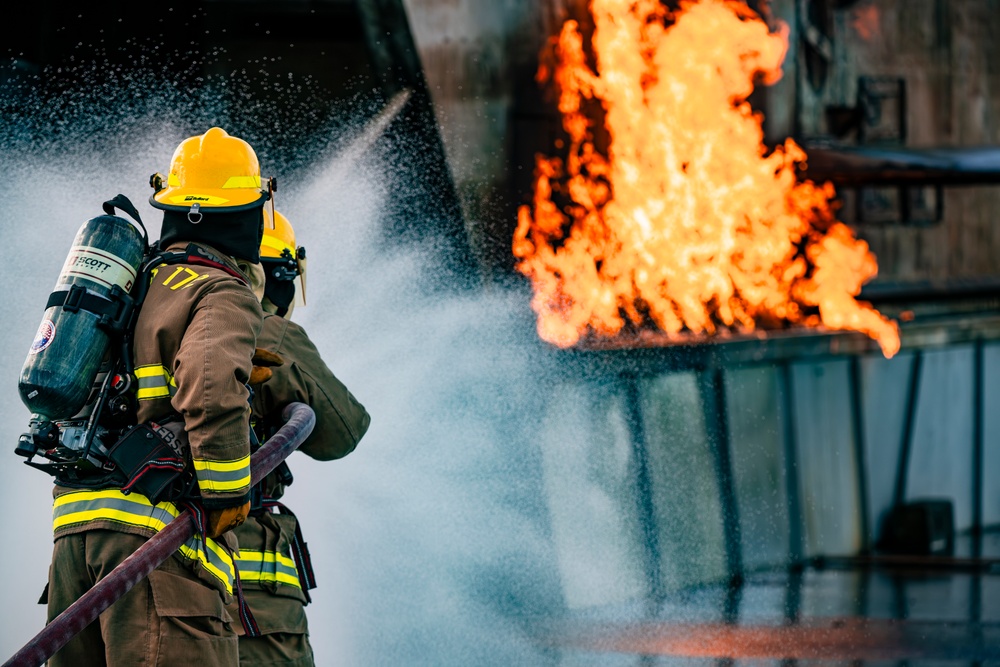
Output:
x=277 y=245
x=242 y=182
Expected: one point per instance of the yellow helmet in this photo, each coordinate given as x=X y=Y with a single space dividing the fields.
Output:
x=213 y=170
x=283 y=262
x=278 y=236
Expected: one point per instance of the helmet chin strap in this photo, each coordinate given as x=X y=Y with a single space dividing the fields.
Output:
x=301 y=260
x=272 y=187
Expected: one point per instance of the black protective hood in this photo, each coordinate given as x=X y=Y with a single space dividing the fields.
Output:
x=279 y=286
x=236 y=233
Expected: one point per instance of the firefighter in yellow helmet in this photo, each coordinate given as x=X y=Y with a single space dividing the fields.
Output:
x=192 y=352
x=284 y=264
x=274 y=564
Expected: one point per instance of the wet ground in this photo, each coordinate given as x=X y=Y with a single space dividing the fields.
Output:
x=879 y=610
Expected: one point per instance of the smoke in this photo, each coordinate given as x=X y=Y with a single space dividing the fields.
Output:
x=430 y=541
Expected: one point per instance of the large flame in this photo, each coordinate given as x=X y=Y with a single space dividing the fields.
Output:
x=688 y=223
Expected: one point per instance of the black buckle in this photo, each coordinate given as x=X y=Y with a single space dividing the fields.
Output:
x=119 y=319
x=74 y=298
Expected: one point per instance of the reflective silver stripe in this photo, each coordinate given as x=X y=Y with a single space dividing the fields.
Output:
x=82 y=507
x=269 y=566
x=154 y=381
x=219 y=562
x=223 y=476
x=122 y=510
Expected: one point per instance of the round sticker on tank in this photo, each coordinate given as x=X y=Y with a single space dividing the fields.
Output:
x=46 y=334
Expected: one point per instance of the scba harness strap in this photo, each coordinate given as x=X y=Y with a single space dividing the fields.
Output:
x=192 y=254
x=114 y=312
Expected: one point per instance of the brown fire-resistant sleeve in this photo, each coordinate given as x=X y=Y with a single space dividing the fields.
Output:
x=211 y=368
x=341 y=420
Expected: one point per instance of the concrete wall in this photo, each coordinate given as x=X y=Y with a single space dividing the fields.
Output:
x=945 y=52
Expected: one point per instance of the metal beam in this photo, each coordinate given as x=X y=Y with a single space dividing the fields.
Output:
x=978 y=445
x=796 y=544
x=644 y=488
x=711 y=387
x=860 y=449
x=909 y=419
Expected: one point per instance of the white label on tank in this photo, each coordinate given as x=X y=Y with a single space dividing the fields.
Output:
x=97 y=265
x=46 y=334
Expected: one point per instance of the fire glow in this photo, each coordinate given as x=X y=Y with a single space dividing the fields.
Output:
x=688 y=225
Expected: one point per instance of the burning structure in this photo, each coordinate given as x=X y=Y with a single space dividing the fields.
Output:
x=684 y=220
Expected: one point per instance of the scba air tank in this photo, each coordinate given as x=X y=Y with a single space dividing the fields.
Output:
x=83 y=312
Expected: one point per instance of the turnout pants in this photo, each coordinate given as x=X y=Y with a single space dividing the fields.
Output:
x=273 y=591
x=170 y=618
x=285 y=639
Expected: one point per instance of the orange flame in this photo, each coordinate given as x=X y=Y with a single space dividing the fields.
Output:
x=688 y=223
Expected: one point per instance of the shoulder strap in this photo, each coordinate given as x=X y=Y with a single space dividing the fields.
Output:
x=195 y=255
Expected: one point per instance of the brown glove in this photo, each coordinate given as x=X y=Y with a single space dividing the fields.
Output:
x=220 y=521
x=262 y=360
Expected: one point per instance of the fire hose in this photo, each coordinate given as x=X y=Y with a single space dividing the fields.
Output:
x=299 y=422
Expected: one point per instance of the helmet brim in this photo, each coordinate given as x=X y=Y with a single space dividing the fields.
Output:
x=233 y=199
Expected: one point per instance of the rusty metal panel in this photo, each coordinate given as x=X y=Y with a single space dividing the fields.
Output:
x=685 y=488
x=758 y=466
x=827 y=467
x=590 y=486
x=884 y=397
x=991 y=435
x=941 y=460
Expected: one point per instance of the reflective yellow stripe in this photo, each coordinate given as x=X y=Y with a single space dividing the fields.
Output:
x=223 y=476
x=154 y=381
x=148 y=394
x=198 y=554
x=222 y=466
x=242 y=182
x=224 y=487
x=278 y=577
x=259 y=557
x=110 y=514
x=81 y=507
x=154 y=370
x=267 y=566
x=232 y=182
x=275 y=244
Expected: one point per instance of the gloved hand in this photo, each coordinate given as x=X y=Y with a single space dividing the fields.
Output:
x=219 y=521
x=262 y=360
